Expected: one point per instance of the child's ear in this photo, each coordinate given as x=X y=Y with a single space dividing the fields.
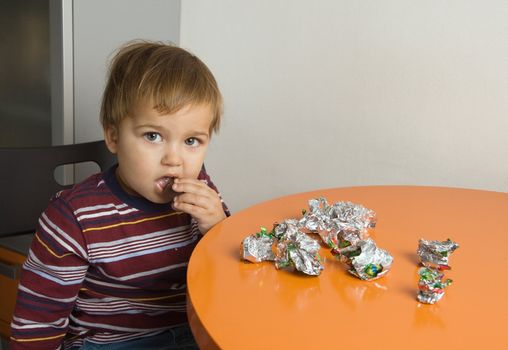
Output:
x=111 y=138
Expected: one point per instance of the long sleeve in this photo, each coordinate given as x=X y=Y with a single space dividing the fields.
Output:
x=203 y=176
x=103 y=266
x=51 y=278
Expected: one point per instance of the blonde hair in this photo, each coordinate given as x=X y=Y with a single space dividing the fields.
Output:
x=165 y=75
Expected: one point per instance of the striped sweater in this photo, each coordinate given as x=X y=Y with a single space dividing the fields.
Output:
x=104 y=266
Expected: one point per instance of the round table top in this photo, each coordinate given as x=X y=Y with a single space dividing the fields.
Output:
x=234 y=304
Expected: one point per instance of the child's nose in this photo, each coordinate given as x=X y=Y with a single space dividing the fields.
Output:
x=172 y=157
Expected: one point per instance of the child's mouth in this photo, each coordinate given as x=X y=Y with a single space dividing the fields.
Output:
x=165 y=184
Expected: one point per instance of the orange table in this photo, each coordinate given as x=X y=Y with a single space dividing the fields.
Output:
x=238 y=305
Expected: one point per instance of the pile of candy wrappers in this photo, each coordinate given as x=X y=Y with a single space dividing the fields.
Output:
x=343 y=227
x=434 y=258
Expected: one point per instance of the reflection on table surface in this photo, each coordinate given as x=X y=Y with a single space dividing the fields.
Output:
x=238 y=305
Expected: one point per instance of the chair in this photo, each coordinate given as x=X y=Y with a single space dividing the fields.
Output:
x=27 y=180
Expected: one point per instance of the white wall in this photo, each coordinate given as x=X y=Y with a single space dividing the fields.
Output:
x=336 y=93
x=99 y=28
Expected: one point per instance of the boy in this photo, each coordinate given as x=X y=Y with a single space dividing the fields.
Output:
x=107 y=265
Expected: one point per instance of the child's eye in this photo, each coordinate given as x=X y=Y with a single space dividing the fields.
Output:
x=192 y=141
x=152 y=136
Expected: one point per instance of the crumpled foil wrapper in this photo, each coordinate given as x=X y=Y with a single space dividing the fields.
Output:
x=343 y=226
x=339 y=225
x=287 y=227
x=436 y=253
x=353 y=217
x=297 y=250
x=258 y=247
x=431 y=286
x=371 y=262
x=317 y=218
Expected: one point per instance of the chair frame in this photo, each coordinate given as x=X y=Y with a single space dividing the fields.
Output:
x=27 y=180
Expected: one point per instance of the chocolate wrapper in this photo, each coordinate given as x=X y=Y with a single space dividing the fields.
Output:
x=343 y=226
x=297 y=250
x=436 y=253
x=431 y=286
x=318 y=220
x=371 y=262
x=258 y=247
x=287 y=227
x=339 y=225
x=349 y=216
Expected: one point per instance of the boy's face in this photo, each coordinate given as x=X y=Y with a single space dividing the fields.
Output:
x=153 y=149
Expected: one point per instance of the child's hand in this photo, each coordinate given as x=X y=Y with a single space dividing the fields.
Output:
x=200 y=201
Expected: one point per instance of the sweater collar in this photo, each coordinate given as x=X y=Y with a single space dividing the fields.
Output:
x=137 y=202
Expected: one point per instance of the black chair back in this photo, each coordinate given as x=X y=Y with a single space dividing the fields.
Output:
x=27 y=180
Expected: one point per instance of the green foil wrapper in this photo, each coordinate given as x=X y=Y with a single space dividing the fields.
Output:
x=258 y=247
x=371 y=262
x=435 y=253
x=431 y=286
x=296 y=250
